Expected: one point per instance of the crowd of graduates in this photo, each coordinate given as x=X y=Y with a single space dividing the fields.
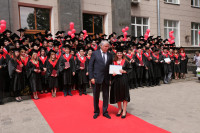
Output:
x=29 y=65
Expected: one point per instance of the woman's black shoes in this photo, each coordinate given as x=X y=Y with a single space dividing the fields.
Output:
x=123 y=116
x=120 y=113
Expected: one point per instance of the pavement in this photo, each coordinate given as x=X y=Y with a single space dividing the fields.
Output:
x=173 y=107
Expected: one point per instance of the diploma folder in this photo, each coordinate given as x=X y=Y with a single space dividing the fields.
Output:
x=115 y=69
x=67 y=65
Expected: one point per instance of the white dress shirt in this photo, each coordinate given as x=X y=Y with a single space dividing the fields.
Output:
x=105 y=54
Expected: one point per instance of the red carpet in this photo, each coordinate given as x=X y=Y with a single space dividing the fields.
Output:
x=75 y=115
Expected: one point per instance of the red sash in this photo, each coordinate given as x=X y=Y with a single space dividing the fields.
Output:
x=122 y=62
x=140 y=58
x=3 y=55
x=82 y=61
x=182 y=54
x=176 y=56
x=148 y=56
x=5 y=51
x=74 y=58
x=157 y=57
x=171 y=55
x=58 y=56
x=95 y=48
x=19 y=62
x=129 y=56
x=43 y=60
x=166 y=55
x=24 y=61
x=36 y=65
x=114 y=51
x=53 y=63
x=67 y=58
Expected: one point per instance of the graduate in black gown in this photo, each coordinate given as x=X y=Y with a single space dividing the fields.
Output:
x=139 y=60
x=3 y=66
x=166 y=66
x=156 y=61
x=171 y=55
x=15 y=72
x=177 y=60
x=43 y=62
x=34 y=70
x=149 y=75
x=53 y=72
x=82 y=71
x=183 y=63
x=67 y=68
x=119 y=84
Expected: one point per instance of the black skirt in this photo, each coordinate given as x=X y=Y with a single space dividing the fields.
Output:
x=177 y=68
x=119 y=89
x=53 y=82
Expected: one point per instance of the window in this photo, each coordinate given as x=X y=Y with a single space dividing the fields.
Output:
x=170 y=25
x=172 y=1
x=195 y=38
x=195 y=3
x=34 y=19
x=93 y=23
x=139 y=26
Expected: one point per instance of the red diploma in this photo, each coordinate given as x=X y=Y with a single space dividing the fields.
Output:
x=54 y=72
x=67 y=65
x=19 y=68
x=82 y=65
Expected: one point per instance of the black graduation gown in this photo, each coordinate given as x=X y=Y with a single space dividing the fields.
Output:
x=81 y=74
x=139 y=69
x=67 y=74
x=176 y=65
x=43 y=63
x=34 y=78
x=166 y=67
x=156 y=66
x=52 y=81
x=172 y=64
x=16 y=78
x=3 y=65
x=148 y=63
x=183 y=64
x=119 y=86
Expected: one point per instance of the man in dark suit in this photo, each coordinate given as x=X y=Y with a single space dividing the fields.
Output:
x=99 y=76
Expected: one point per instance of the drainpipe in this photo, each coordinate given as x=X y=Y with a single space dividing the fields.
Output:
x=158 y=16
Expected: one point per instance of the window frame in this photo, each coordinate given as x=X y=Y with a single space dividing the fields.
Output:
x=30 y=31
x=167 y=2
x=193 y=4
x=194 y=37
x=103 y=23
x=141 y=25
x=178 y=29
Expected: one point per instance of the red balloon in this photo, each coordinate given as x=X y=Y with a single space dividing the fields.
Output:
x=3 y=22
x=3 y=27
x=126 y=28
x=72 y=35
x=124 y=39
x=73 y=30
x=0 y=30
x=172 y=31
x=148 y=30
x=125 y=33
x=169 y=40
x=71 y=25
x=84 y=31
x=172 y=37
x=199 y=32
x=172 y=41
x=146 y=35
x=123 y=30
x=69 y=33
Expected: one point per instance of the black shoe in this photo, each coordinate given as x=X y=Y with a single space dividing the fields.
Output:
x=85 y=93
x=80 y=93
x=123 y=116
x=95 y=116
x=69 y=93
x=107 y=116
x=119 y=113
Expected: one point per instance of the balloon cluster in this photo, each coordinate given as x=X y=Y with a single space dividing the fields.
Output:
x=2 y=26
x=199 y=32
x=72 y=30
x=85 y=34
x=146 y=35
x=171 y=39
x=125 y=33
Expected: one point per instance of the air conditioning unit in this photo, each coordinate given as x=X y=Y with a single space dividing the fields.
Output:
x=135 y=1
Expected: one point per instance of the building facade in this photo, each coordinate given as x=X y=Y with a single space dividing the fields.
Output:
x=107 y=16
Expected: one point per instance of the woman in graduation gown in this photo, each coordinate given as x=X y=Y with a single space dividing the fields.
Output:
x=177 y=60
x=89 y=54
x=171 y=55
x=43 y=61
x=3 y=66
x=24 y=58
x=156 y=66
x=119 y=84
x=34 y=73
x=15 y=72
x=67 y=68
x=183 y=62
x=52 y=72
x=82 y=71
